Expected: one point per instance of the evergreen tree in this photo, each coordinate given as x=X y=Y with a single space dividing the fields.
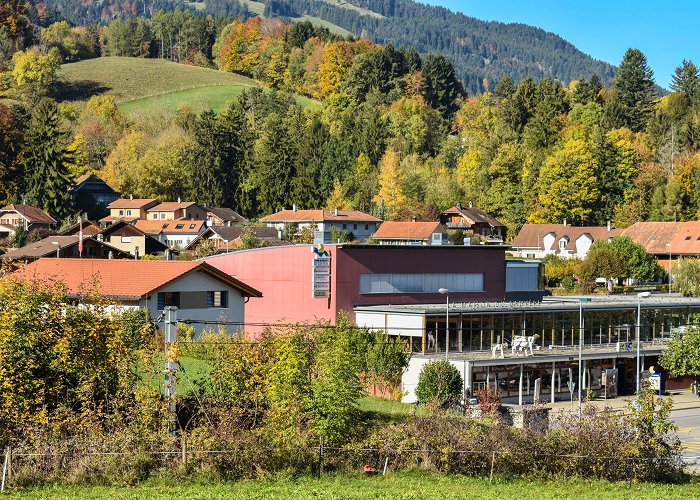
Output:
x=444 y=87
x=634 y=83
x=47 y=161
x=686 y=80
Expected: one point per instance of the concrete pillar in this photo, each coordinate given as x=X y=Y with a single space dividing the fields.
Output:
x=520 y=386
x=459 y=334
x=552 y=386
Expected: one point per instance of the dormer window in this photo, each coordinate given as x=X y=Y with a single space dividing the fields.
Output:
x=562 y=243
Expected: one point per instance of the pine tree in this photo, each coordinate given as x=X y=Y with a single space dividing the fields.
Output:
x=444 y=87
x=634 y=83
x=47 y=161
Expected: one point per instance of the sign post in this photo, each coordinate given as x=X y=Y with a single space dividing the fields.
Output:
x=321 y=273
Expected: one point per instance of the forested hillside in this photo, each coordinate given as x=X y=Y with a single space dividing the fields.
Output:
x=482 y=52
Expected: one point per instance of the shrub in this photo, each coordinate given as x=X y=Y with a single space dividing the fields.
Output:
x=439 y=384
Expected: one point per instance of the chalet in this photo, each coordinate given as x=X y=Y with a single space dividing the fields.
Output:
x=64 y=247
x=131 y=239
x=90 y=187
x=535 y=241
x=28 y=216
x=217 y=216
x=473 y=220
x=358 y=224
x=174 y=233
x=127 y=209
x=227 y=238
x=203 y=294
x=173 y=210
x=411 y=233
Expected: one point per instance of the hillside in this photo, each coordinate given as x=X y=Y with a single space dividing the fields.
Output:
x=152 y=83
x=481 y=51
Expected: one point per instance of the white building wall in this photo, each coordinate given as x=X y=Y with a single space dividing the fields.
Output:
x=405 y=325
x=409 y=379
x=583 y=244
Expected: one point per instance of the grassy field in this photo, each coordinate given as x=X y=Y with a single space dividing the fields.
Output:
x=317 y=21
x=146 y=84
x=415 y=484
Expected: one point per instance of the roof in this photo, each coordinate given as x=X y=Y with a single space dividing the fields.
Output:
x=92 y=178
x=233 y=234
x=532 y=235
x=89 y=229
x=226 y=214
x=475 y=215
x=121 y=279
x=47 y=247
x=133 y=203
x=30 y=213
x=320 y=216
x=170 y=226
x=655 y=237
x=407 y=230
x=171 y=206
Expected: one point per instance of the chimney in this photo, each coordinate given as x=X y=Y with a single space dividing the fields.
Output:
x=414 y=219
x=178 y=199
x=294 y=207
x=335 y=212
x=131 y=196
x=459 y=206
x=136 y=253
x=565 y=222
x=111 y=255
x=280 y=234
x=609 y=226
x=471 y=204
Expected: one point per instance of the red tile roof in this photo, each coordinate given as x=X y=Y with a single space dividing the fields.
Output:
x=320 y=216
x=170 y=206
x=684 y=237
x=142 y=203
x=32 y=214
x=170 y=226
x=532 y=235
x=121 y=279
x=407 y=230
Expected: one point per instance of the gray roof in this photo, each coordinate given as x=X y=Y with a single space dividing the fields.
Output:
x=48 y=246
x=226 y=214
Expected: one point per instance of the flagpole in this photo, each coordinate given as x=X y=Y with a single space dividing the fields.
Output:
x=80 y=237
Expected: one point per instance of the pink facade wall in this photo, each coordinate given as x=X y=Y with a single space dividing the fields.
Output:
x=283 y=275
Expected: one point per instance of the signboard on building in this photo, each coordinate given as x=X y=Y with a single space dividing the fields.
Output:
x=321 y=273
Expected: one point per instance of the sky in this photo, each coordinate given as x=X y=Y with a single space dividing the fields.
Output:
x=666 y=33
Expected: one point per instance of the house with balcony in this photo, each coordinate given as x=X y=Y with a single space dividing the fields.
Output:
x=475 y=221
x=535 y=241
x=203 y=294
x=358 y=224
x=127 y=209
x=29 y=217
x=411 y=233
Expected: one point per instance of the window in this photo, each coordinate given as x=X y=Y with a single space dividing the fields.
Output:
x=168 y=299
x=162 y=216
x=126 y=239
x=128 y=212
x=155 y=216
x=165 y=226
x=217 y=299
x=121 y=212
x=354 y=227
x=562 y=243
x=420 y=283
x=192 y=226
x=179 y=226
x=366 y=227
x=688 y=237
x=345 y=226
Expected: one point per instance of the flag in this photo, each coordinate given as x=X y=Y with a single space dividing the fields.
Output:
x=80 y=238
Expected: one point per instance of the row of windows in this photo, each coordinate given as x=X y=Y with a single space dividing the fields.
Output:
x=214 y=299
x=420 y=283
x=354 y=227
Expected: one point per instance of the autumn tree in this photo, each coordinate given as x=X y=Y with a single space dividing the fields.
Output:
x=34 y=73
x=11 y=143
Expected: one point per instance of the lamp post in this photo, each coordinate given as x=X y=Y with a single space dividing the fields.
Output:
x=58 y=248
x=446 y=292
x=670 y=262
x=581 y=325
x=640 y=296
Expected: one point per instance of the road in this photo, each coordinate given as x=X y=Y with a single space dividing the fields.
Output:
x=688 y=423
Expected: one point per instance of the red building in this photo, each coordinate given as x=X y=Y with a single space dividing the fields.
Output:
x=361 y=275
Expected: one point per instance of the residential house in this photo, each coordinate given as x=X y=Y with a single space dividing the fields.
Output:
x=127 y=209
x=129 y=238
x=28 y=216
x=667 y=240
x=535 y=241
x=173 y=210
x=473 y=220
x=175 y=233
x=90 y=187
x=64 y=247
x=359 y=224
x=225 y=238
x=411 y=233
x=205 y=296
x=217 y=216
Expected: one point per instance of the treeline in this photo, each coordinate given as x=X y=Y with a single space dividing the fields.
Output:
x=482 y=52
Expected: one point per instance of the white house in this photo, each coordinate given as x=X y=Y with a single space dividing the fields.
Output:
x=535 y=241
x=360 y=224
x=204 y=295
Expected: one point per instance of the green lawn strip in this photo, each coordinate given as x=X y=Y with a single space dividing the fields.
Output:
x=389 y=409
x=198 y=99
x=195 y=369
x=408 y=485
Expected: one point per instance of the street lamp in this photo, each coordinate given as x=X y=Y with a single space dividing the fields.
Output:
x=640 y=296
x=446 y=292
x=581 y=324
x=670 y=261
x=58 y=248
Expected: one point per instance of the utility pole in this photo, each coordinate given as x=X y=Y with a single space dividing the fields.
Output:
x=170 y=385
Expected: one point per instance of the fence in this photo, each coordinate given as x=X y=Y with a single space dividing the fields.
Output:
x=61 y=464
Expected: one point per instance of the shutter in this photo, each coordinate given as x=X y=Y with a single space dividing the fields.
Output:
x=210 y=299
x=224 y=299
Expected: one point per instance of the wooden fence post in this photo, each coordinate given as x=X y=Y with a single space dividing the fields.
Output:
x=184 y=453
x=493 y=462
